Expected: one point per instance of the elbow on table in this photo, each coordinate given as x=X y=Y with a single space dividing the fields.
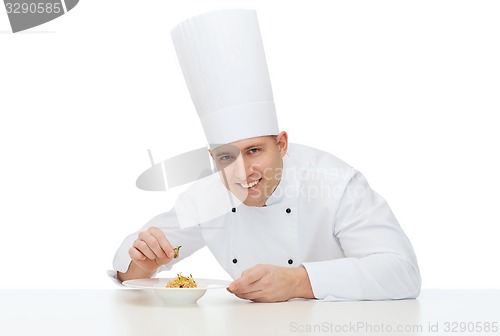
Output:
x=396 y=277
x=413 y=291
x=410 y=280
x=417 y=286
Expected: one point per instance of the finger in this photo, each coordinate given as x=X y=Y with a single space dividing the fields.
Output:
x=250 y=296
x=248 y=277
x=135 y=254
x=239 y=289
x=242 y=289
x=162 y=261
x=162 y=241
x=259 y=295
x=144 y=249
x=152 y=243
x=262 y=299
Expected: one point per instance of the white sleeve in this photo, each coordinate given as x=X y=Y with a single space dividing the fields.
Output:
x=379 y=260
x=190 y=239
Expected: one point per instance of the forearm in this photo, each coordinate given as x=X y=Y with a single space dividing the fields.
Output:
x=135 y=272
x=375 y=277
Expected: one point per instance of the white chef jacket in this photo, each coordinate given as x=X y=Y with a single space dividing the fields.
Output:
x=323 y=215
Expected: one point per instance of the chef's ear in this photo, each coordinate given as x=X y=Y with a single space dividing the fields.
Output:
x=210 y=152
x=282 y=142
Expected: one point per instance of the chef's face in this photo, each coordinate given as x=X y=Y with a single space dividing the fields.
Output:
x=251 y=168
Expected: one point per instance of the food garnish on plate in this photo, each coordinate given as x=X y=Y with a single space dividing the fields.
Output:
x=181 y=281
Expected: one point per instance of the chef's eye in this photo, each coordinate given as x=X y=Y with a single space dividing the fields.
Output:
x=253 y=150
x=226 y=158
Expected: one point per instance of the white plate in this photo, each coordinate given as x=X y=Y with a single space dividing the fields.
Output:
x=177 y=295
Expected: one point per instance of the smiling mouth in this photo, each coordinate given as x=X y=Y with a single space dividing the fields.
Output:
x=249 y=185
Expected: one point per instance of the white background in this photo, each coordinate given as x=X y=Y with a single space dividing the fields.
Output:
x=404 y=91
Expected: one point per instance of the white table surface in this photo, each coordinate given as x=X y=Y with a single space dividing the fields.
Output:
x=140 y=312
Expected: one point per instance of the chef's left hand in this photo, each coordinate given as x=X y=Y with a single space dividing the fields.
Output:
x=268 y=283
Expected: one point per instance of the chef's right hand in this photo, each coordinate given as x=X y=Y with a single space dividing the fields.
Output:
x=151 y=250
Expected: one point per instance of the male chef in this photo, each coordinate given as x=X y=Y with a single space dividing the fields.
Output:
x=298 y=222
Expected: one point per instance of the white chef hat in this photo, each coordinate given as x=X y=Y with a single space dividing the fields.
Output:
x=222 y=58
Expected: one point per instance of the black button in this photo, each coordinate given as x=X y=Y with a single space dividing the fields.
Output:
x=288 y=210
x=235 y=261
x=233 y=209
x=290 y=261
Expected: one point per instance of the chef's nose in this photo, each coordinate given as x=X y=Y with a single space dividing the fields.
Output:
x=251 y=170
x=249 y=167
x=239 y=167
